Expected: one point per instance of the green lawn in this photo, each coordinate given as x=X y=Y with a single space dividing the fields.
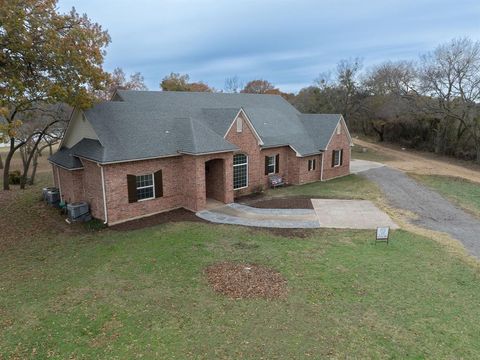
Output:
x=347 y=187
x=108 y=294
x=369 y=154
x=462 y=192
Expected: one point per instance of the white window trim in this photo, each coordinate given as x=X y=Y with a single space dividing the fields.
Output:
x=340 y=155
x=313 y=162
x=274 y=164
x=246 y=163
x=144 y=187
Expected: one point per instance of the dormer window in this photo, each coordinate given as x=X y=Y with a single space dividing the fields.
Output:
x=239 y=125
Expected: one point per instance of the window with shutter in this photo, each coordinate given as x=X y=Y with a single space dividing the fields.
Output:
x=270 y=165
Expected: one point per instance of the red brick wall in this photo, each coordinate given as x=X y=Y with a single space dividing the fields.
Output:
x=337 y=142
x=215 y=179
x=92 y=182
x=71 y=184
x=183 y=185
x=305 y=176
x=120 y=209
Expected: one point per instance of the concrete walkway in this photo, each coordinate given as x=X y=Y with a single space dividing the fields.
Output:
x=327 y=213
x=237 y=214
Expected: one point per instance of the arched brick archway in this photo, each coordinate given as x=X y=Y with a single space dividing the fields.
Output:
x=215 y=179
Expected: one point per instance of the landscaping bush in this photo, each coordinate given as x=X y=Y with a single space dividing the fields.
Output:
x=14 y=177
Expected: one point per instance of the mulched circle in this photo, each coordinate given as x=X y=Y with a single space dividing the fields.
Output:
x=246 y=281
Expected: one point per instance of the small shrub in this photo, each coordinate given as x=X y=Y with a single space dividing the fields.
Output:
x=94 y=225
x=14 y=177
x=258 y=189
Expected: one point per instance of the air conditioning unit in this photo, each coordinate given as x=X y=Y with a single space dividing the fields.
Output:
x=45 y=190
x=53 y=197
x=78 y=212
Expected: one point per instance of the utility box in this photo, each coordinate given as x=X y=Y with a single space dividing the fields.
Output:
x=45 y=190
x=78 y=212
x=53 y=197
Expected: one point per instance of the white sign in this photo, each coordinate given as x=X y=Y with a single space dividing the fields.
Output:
x=382 y=233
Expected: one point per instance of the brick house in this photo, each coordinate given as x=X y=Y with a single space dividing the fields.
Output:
x=146 y=152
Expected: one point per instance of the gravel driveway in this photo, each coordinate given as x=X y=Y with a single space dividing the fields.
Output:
x=434 y=211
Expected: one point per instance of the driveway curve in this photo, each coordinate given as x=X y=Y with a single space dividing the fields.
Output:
x=434 y=211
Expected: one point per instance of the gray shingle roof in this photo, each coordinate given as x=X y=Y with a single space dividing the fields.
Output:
x=64 y=158
x=145 y=124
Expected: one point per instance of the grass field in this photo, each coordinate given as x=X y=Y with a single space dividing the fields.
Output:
x=462 y=192
x=369 y=154
x=73 y=293
x=347 y=187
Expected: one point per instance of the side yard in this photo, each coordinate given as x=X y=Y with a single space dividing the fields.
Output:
x=72 y=292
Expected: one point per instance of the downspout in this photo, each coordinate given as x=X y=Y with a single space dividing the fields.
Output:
x=59 y=184
x=104 y=196
x=321 y=169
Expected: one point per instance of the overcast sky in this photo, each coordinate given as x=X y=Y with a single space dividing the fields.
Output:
x=288 y=42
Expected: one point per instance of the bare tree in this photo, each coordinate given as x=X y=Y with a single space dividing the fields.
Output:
x=233 y=84
x=43 y=123
x=450 y=76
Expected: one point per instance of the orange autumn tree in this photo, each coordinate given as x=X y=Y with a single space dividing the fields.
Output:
x=46 y=57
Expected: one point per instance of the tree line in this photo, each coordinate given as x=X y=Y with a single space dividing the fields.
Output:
x=431 y=104
x=52 y=62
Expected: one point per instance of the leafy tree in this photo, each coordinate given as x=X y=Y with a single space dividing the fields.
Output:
x=258 y=87
x=45 y=57
x=179 y=82
x=199 y=87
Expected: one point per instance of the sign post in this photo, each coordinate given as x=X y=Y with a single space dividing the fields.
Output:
x=382 y=234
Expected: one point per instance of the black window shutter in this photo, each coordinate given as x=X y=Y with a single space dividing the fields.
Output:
x=266 y=165
x=132 y=188
x=158 y=184
x=313 y=164
x=277 y=163
x=333 y=158
x=341 y=157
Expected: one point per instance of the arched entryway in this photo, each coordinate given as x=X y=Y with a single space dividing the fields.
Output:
x=214 y=179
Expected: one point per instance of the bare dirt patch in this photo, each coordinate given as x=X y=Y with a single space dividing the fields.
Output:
x=246 y=281
x=162 y=218
x=424 y=163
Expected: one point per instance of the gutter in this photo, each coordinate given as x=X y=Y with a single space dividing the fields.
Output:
x=321 y=169
x=104 y=196
x=59 y=184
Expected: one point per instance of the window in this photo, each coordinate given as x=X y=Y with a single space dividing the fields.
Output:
x=337 y=158
x=240 y=171
x=145 y=187
x=271 y=165
x=311 y=165
x=239 y=124
x=339 y=129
